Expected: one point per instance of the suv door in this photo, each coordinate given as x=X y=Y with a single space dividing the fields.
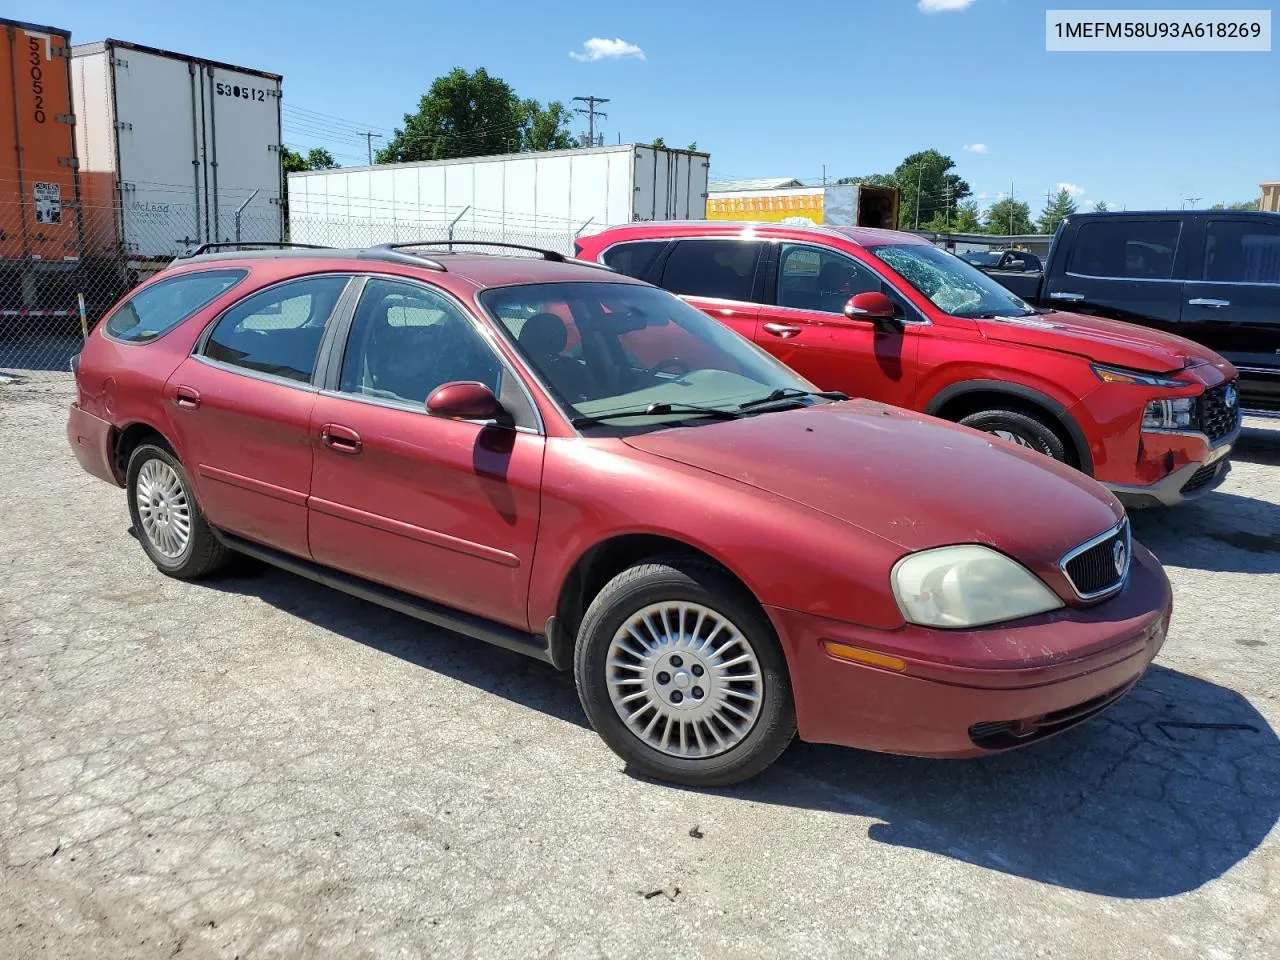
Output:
x=718 y=275
x=1123 y=268
x=802 y=323
x=242 y=409
x=443 y=509
x=1232 y=304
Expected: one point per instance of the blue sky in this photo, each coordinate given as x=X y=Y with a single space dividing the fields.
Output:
x=768 y=89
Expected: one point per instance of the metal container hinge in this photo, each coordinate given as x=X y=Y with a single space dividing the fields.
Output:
x=120 y=62
x=71 y=162
x=68 y=118
x=123 y=125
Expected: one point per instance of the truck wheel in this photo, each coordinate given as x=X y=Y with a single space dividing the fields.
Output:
x=681 y=674
x=1021 y=428
x=168 y=520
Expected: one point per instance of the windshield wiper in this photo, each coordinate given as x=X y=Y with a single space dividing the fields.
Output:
x=792 y=393
x=657 y=410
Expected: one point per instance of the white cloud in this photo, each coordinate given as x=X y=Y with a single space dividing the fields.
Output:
x=976 y=148
x=983 y=195
x=1073 y=189
x=601 y=48
x=943 y=6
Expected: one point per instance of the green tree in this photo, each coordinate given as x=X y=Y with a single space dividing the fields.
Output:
x=473 y=114
x=928 y=186
x=1059 y=207
x=317 y=158
x=1101 y=207
x=962 y=218
x=1239 y=205
x=692 y=146
x=1009 y=216
x=872 y=180
x=659 y=143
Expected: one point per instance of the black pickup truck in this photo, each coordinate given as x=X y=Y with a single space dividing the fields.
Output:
x=1211 y=276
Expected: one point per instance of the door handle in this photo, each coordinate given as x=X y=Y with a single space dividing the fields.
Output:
x=187 y=397
x=784 y=330
x=340 y=439
x=1073 y=297
x=1208 y=302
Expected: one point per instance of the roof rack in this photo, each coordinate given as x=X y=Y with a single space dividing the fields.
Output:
x=239 y=244
x=552 y=255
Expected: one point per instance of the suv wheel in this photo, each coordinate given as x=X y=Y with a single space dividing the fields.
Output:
x=681 y=674
x=167 y=518
x=1021 y=428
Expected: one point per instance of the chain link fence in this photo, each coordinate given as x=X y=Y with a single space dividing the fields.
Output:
x=58 y=279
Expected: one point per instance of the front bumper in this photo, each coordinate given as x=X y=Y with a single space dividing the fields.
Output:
x=968 y=693
x=1205 y=465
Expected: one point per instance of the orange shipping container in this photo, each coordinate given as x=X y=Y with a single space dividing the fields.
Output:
x=39 y=201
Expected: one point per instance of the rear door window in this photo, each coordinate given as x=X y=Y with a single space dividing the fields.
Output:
x=278 y=330
x=721 y=269
x=634 y=259
x=159 y=308
x=1126 y=249
x=1238 y=251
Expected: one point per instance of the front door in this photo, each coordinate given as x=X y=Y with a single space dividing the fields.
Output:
x=242 y=410
x=805 y=327
x=443 y=509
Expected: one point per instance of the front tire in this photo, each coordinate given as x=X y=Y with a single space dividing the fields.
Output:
x=682 y=675
x=1021 y=428
x=169 y=522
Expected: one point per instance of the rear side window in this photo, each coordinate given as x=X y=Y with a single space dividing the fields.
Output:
x=1126 y=249
x=1236 y=251
x=278 y=330
x=725 y=269
x=159 y=308
x=634 y=259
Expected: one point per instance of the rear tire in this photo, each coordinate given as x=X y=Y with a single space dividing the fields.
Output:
x=1021 y=428
x=167 y=518
x=682 y=675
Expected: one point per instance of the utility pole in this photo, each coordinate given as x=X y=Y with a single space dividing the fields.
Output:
x=368 y=139
x=1191 y=200
x=591 y=113
x=1011 y=208
x=919 y=178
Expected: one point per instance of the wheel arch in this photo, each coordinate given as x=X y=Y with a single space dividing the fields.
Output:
x=958 y=400
x=128 y=438
x=603 y=561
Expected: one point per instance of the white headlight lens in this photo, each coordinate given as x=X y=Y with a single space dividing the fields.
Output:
x=967 y=586
x=1168 y=414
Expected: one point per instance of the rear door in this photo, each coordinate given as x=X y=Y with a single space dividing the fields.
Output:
x=242 y=409
x=1124 y=268
x=718 y=275
x=1232 y=304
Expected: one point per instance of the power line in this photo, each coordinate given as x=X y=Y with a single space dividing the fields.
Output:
x=591 y=113
x=368 y=139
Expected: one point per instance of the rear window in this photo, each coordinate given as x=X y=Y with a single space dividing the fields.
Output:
x=159 y=308
x=723 y=269
x=634 y=259
x=1126 y=249
x=1237 y=251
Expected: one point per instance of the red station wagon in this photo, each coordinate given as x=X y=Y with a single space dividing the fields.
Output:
x=566 y=462
x=890 y=317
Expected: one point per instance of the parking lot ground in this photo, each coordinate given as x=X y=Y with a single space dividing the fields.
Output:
x=259 y=767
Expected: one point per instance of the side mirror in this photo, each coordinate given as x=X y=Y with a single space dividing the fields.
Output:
x=874 y=306
x=464 y=400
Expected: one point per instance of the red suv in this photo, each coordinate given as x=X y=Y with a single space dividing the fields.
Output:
x=890 y=317
x=569 y=463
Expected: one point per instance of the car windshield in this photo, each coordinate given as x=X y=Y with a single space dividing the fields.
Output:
x=610 y=349
x=951 y=285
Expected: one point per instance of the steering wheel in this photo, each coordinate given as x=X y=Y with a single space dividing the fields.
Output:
x=671 y=364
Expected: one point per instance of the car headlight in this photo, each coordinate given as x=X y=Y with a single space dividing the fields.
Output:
x=1121 y=375
x=1168 y=414
x=967 y=586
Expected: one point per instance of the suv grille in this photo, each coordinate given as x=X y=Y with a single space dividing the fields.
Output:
x=1219 y=411
x=1202 y=477
x=1100 y=565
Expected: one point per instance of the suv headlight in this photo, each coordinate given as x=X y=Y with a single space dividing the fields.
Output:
x=1120 y=375
x=967 y=586
x=1168 y=414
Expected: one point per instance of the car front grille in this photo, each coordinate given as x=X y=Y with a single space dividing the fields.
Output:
x=1100 y=565
x=1202 y=477
x=1219 y=411
x=1003 y=734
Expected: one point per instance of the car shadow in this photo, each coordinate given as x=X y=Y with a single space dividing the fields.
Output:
x=1221 y=532
x=1258 y=445
x=1165 y=791
x=1169 y=789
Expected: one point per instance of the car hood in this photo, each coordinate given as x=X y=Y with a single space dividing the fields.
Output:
x=1101 y=340
x=907 y=478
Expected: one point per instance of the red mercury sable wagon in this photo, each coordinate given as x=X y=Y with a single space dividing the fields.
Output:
x=890 y=317
x=563 y=461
